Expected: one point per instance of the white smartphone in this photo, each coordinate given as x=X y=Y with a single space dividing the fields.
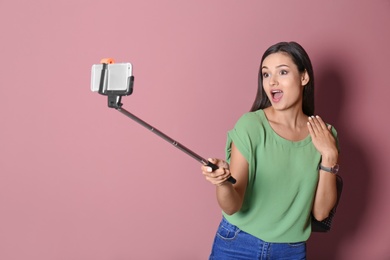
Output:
x=117 y=78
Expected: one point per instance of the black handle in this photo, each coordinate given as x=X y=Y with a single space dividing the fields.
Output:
x=215 y=167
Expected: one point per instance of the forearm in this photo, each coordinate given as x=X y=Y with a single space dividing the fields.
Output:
x=228 y=198
x=326 y=194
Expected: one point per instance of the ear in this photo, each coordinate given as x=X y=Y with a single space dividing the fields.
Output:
x=305 y=78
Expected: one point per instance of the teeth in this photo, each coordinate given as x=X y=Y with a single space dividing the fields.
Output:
x=276 y=93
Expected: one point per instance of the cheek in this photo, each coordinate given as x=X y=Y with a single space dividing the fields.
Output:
x=297 y=93
x=294 y=83
x=265 y=82
x=265 y=85
x=267 y=91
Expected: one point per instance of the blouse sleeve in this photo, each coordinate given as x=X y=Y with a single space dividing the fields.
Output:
x=242 y=135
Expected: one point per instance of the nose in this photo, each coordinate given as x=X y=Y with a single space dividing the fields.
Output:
x=273 y=81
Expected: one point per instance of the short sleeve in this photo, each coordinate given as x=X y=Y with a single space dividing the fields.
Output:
x=242 y=136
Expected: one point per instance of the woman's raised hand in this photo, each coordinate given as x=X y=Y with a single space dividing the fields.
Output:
x=219 y=176
x=323 y=139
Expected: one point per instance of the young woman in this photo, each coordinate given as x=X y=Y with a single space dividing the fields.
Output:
x=284 y=160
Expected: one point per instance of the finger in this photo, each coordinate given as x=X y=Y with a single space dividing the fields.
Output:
x=215 y=177
x=220 y=163
x=311 y=131
x=221 y=172
x=225 y=165
x=216 y=174
x=212 y=160
x=216 y=161
x=226 y=175
x=318 y=125
x=205 y=169
x=209 y=175
x=321 y=122
x=223 y=178
x=312 y=126
x=315 y=124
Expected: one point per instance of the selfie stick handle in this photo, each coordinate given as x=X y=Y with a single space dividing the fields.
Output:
x=173 y=142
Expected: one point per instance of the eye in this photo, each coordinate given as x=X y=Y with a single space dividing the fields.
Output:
x=283 y=72
x=265 y=75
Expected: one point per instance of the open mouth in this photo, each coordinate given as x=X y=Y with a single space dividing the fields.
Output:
x=276 y=94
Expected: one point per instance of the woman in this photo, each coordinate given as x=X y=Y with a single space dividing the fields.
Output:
x=284 y=160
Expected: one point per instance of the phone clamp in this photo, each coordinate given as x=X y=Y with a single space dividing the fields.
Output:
x=114 y=96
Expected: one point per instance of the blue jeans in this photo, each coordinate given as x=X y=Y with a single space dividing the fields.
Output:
x=232 y=243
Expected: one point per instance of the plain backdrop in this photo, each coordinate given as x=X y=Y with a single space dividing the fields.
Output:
x=80 y=181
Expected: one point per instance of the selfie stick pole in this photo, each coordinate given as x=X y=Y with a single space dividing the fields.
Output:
x=170 y=140
x=114 y=101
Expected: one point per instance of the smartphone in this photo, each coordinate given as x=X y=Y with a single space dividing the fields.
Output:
x=117 y=79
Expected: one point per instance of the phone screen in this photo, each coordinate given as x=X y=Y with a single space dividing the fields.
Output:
x=117 y=77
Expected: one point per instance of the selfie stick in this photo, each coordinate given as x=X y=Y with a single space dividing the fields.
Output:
x=114 y=101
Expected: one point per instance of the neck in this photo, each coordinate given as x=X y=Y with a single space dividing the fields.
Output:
x=292 y=118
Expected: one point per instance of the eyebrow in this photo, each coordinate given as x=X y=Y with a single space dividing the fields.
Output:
x=281 y=65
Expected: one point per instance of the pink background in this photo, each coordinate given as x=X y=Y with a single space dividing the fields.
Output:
x=81 y=181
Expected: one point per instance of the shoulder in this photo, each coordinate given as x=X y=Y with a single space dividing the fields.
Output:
x=251 y=118
x=333 y=130
x=250 y=123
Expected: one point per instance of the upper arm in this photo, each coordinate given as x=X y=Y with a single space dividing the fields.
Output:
x=239 y=169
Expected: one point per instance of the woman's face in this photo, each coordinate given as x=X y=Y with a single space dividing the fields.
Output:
x=282 y=82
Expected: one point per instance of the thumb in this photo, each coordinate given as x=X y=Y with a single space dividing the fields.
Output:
x=213 y=160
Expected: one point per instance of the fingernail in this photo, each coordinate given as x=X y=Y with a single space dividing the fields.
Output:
x=209 y=169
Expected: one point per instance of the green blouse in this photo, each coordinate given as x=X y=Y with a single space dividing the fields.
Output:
x=282 y=181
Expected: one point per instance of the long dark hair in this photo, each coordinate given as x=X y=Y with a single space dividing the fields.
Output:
x=302 y=61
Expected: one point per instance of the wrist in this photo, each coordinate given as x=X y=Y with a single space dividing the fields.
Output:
x=224 y=183
x=332 y=169
x=329 y=159
x=329 y=163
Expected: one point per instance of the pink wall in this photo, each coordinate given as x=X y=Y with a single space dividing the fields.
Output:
x=81 y=181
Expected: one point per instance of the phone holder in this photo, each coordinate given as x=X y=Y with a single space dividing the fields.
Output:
x=114 y=96
x=114 y=101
